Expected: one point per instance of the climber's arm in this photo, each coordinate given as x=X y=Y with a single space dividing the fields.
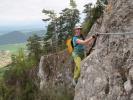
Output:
x=86 y=41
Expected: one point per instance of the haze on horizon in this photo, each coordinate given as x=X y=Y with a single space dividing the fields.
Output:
x=26 y=13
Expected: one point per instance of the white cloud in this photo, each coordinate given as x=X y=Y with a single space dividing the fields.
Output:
x=30 y=10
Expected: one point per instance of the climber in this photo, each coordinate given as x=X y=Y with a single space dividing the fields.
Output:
x=78 y=52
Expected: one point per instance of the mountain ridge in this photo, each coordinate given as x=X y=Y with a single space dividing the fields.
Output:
x=18 y=36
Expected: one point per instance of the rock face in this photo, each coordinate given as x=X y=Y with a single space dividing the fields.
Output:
x=107 y=73
x=56 y=70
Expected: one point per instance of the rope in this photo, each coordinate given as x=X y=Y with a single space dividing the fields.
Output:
x=94 y=42
x=115 y=33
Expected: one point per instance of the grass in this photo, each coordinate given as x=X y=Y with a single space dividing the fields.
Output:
x=12 y=47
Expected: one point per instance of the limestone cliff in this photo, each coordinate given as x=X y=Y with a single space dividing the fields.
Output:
x=107 y=73
x=56 y=71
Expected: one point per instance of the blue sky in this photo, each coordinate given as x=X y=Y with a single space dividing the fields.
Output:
x=29 y=12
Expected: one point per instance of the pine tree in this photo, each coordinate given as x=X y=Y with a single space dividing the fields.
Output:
x=73 y=4
x=62 y=26
x=92 y=14
x=34 y=47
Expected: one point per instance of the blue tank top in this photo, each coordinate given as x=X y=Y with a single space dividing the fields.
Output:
x=78 y=48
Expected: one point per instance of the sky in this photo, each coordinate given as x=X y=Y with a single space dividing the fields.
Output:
x=29 y=12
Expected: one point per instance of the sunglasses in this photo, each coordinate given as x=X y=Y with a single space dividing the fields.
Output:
x=78 y=29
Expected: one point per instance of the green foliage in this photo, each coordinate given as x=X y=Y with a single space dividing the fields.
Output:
x=21 y=63
x=2 y=71
x=27 y=91
x=60 y=27
x=69 y=18
x=18 y=82
x=50 y=31
x=102 y=3
x=50 y=13
x=73 y=4
x=92 y=14
x=2 y=90
x=34 y=47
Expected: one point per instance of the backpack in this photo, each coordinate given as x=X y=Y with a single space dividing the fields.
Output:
x=69 y=43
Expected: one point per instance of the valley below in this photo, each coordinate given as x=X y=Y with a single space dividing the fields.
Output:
x=5 y=58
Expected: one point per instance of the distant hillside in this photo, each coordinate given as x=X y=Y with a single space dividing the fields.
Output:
x=12 y=38
x=39 y=33
x=18 y=37
x=13 y=48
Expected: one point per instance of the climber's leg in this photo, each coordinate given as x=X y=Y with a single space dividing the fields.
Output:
x=77 y=61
